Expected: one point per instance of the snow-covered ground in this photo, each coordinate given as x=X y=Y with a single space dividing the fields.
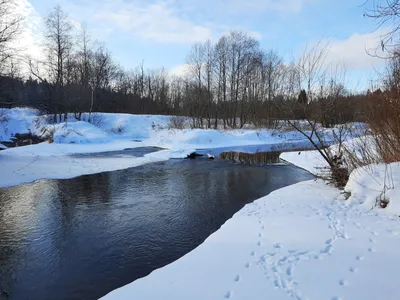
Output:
x=306 y=241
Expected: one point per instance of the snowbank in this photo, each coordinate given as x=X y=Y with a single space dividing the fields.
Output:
x=79 y=133
x=374 y=183
x=311 y=161
x=16 y=120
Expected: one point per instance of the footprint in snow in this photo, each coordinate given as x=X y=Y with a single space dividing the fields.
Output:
x=371 y=250
x=247 y=265
x=237 y=278
x=228 y=295
x=327 y=249
x=259 y=243
x=360 y=257
x=372 y=240
x=353 y=269
x=277 y=283
x=289 y=271
x=329 y=241
x=343 y=282
x=252 y=253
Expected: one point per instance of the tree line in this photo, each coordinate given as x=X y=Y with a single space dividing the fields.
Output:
x=232 y=80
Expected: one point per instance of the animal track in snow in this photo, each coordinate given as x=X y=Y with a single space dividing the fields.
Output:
x=247 y=265
x=237 y=278
x=343 y=282
x=327 y=249
x=329 y=241
x=252 y=253
x=228 y=295
x=360 y=257
x=353 y=269
x=371 y=250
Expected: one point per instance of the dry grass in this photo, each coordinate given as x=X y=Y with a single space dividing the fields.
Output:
x=384 y=122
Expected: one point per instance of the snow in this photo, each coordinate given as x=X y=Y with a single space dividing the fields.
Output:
x=115 y=132
x=16 y=120
x=310 y=161
x=304 y=242
x=376 y=182
x=79 y=133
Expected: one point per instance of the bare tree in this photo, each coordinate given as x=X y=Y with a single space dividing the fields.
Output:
x=11 y=86
x=10 y=28
x=385 y=12
x=318 y=108
x=195 y=61
x=58 y=48
x=312 y=67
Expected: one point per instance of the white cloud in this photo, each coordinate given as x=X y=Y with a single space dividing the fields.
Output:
x=220 y=8
x=156 y=22
x=27 y=44
x=166 y=21
x=282 y=6
x=355 y=51
x=180 y=70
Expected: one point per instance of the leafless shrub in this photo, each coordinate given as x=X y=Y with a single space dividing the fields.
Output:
x=176 y=122
x=384 y=122
x=44 y=127
x=118 y=130
x=3 y=116
x=96 y=119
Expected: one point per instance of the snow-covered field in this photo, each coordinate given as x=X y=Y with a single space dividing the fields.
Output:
x=306 y=241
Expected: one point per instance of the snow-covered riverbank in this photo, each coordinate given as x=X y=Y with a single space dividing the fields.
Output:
x=115 y=132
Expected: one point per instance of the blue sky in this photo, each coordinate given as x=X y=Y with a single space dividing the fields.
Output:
x=160 y=32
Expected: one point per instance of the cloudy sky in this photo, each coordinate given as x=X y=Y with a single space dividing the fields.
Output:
x=160 y=32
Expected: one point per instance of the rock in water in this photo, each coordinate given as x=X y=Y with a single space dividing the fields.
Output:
x=193 y=155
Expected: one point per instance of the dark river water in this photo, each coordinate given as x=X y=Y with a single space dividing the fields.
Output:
x=83 y=237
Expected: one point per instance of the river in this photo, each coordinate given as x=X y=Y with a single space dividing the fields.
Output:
x=81 y=238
